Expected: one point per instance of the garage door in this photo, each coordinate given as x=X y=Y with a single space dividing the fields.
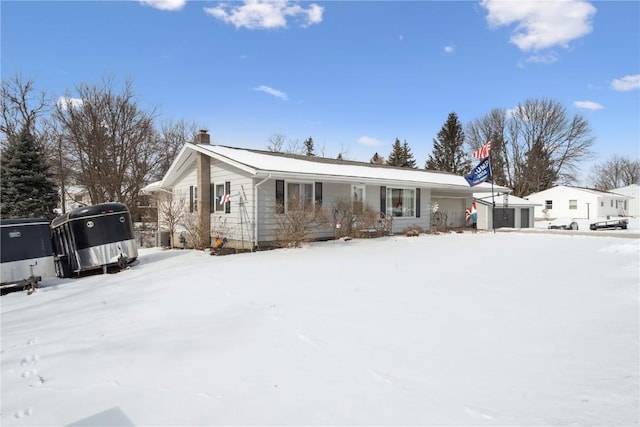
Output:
x=452 y=209
x=503 y=217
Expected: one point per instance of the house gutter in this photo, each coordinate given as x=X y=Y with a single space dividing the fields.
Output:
x=255 y=209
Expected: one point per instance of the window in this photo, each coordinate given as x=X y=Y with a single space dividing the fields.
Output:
x=548 y=204
x=219 y=194
x=299 y=196
x=573 y=204
x=357 y=198
x=601 y=204
x=611 y=202
x=401 y=201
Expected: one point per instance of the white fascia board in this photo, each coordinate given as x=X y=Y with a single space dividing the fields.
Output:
x=202 y=149
x=363 y=180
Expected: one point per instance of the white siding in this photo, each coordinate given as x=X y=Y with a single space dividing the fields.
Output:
x=237 y=225
x=589 y=204
x=633 y=191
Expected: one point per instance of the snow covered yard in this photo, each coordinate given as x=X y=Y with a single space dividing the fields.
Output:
x=451 y=329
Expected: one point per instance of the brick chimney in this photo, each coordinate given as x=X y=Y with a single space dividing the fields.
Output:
x=202 y=137
x=203 y=182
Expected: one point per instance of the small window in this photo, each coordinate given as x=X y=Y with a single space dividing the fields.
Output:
x=548 y=204
x=299 y=196
x=219 y=195
x=195 y=199
x=601 y=204
x=357 y=198
x=573 y=204
x=611 y=202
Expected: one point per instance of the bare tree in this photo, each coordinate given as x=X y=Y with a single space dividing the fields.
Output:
x=618 y=171
x=172 y=136
x=536 y=134
x=20 y=107
x=276 y=142
x=171 y=211
x=111 y=141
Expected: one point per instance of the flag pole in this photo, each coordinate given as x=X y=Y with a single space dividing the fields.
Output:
x=493 y=201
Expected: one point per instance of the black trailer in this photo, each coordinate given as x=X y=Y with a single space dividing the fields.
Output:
x=26 y=253
x=92 y=237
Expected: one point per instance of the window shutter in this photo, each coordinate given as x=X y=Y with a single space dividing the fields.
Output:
x=227 y=190
x=417 y=203
x=318 y=194
x=383 y=199
x=191 y=198
x=279 y=196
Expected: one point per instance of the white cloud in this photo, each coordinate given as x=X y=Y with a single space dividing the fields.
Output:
x=450 y=48
x=626 y=83
x=541 y=24
x=165 y=4
x=369 y=141
x=64 y=101
x=266 y=14
x=588 y=105
x=271 y=91
x=548 y=58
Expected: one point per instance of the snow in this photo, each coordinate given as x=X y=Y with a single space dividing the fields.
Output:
x=279 y=164
x=451 y=329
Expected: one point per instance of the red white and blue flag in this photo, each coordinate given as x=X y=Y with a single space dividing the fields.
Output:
x=224 y=199
x=469 y=212
x=483 y=151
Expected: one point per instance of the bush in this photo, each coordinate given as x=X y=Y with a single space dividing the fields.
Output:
x=412 y=230
x=298 y=223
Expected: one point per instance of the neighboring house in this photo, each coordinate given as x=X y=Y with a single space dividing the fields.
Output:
x=75 y=196
x=633 y=192
x=262 y=184
x=509 y=211
x=564 y=201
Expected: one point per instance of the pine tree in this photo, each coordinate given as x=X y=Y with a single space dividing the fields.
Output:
x=377 y=159
x=308 y=146
x=408 y=160
x=26 y=185
x=448 y=154
x=396 y=157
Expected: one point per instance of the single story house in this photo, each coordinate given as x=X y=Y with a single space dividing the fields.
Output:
x=633 y=192
x=242 y=194
x=564 y=201
x=508 y=211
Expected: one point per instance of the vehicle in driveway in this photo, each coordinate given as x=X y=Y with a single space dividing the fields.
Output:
x=563 y=224
x=612 y=224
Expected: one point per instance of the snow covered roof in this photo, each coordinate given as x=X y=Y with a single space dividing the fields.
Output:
x=596 y=192
x=280 y=165
x=512 y=201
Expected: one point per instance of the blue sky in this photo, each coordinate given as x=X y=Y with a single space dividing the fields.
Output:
x=352 y=75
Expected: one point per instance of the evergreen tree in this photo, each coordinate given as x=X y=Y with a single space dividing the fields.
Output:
x=448 y=154
x=396 y=157
x=339 y=156
x=377 y=159
x=408 y=160
x=308 y=146
x=27 y=190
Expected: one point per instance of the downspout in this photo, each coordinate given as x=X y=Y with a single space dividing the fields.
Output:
x=255 y=210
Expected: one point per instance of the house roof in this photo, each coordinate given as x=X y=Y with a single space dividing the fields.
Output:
x=513 y=201
x=264 y=164
x=593 y=191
